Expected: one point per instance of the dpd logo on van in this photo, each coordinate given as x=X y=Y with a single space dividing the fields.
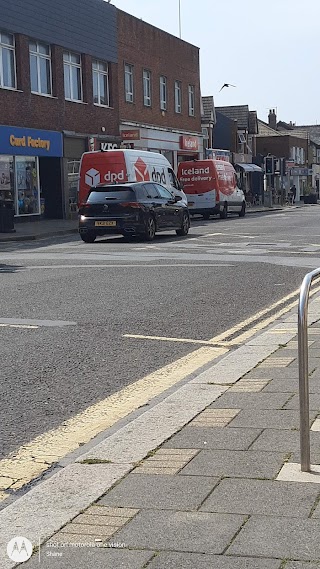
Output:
x=141 y=171
x=92 y=177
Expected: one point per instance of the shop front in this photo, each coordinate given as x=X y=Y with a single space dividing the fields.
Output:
x=74 y=146
x=174 y=145
x=30 y=171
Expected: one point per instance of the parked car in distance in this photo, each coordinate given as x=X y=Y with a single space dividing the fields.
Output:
x=138 y=209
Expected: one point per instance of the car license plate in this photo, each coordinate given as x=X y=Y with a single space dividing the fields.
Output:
x=105 y=223
x=190 y=203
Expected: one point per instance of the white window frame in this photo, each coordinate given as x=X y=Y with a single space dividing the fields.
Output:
x=191 y=100
x=96 y=68
x=146 y=78
x=241 y=138
x=39 y=55
x=13 y=49
x=70 y=64
x=163 y=93
x=128 y=72
x=178 y=97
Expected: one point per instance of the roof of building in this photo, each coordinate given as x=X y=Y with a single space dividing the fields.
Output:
x=239 y=113
x=208 y=110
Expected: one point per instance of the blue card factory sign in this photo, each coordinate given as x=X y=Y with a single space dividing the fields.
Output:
x=30 y=142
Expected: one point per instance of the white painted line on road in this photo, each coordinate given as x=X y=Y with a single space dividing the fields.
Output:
x=18 y=326
x=140 y=265
x=182 y=340
x=31 y=322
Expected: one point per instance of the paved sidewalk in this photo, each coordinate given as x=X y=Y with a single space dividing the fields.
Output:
x=197 y=481
x=29 y=231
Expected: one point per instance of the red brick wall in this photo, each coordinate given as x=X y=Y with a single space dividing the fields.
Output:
x=147 y=47
x=22 y=108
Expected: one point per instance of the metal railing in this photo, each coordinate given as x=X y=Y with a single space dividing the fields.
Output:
x=304 y=369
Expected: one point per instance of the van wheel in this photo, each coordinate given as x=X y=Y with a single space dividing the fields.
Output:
x=185 y=226
x=242 y=212
x=89 y=237
x=150 y=230
x=224 y=212
x=206 y=215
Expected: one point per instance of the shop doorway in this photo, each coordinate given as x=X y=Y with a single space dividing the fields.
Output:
x=51 y=187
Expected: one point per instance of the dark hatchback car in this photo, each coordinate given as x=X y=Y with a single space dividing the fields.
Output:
x=133 y=210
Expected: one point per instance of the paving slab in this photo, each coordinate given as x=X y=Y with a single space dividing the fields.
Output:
x=251 y=400
x=300 y=565
x=239 y=464
x=160 y=492
x=224 y=438
x=280 y=385
x=291 y=472
x=263 y=419
x=284 y=441
x=197 y=561
x=85 y=557
x=314 y=401
x=262 y=497
x=271 y=373
x=271 y=537
x=198 y=532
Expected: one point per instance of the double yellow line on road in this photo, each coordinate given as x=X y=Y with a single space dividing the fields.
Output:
x=35 y=457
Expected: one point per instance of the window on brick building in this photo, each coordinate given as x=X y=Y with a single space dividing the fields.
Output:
x=101 y=92
x=163 y=93
x=7 y=61
x=177 y=97
x=191 y=98
x=147 y=88
x=72 y=76
x=128 y=82
x=40 y=68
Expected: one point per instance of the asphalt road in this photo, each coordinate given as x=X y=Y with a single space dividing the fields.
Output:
x=193 y=288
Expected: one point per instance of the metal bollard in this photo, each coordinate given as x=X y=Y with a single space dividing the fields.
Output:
x=304 y=369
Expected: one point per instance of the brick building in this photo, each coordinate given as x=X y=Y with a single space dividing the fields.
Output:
x=66 y=70
x=58 y=88
x=159 y=91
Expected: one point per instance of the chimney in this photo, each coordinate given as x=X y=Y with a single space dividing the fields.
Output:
x=272 y=119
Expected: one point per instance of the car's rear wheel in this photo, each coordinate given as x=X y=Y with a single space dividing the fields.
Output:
x=242 y=212
x=185 y=226
x=150 y=229
x=89 y=237
x=224 y=212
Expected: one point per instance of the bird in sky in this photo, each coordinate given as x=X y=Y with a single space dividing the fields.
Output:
x=226 y=85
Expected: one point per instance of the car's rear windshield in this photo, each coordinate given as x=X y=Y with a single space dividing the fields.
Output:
x=119 y=194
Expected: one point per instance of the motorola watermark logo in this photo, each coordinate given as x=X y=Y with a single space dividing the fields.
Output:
x=19 y=549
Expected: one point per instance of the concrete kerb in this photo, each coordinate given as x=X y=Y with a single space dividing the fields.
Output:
x=76 y=486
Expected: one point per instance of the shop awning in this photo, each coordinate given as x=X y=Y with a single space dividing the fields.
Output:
x=250 y=167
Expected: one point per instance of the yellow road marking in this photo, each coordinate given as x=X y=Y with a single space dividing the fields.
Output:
x=35 y=457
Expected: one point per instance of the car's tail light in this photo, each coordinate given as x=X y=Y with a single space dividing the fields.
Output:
x=135 y=205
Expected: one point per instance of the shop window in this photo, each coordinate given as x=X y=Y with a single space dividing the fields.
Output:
x=72 y=76
x=27 y=185
x=73 y=182
x=6 y=178
x=100 y=74
x=191 y=98
x=177 y=96
x=40 y=68
x=146 y=88
x=163 y=93
x=128 y=82
x=7 y=61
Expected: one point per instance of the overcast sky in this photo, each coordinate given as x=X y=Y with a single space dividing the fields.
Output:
x=269 y=50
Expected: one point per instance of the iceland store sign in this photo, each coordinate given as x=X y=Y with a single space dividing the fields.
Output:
x=30 y=142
